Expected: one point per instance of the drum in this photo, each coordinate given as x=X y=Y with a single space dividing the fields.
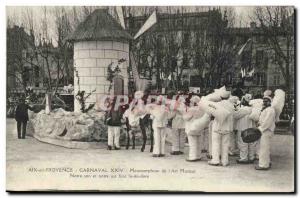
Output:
x=250 y=135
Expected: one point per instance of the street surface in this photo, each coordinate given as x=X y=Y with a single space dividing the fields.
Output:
x=33 y=165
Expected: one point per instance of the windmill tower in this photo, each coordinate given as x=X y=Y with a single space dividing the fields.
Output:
x=99 y=41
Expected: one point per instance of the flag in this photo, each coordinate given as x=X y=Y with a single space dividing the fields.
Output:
x=243 y=47
x=243 y=71
x=121 y=16
x=150 y=21
x=251 y=72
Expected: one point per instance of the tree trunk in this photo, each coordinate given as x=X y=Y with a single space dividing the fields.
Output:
x=48 y=103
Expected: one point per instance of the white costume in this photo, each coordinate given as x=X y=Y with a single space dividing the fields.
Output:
x=160 y=115
x=233 y=147
x=196 y=121
x=266 y=126
x=221 y=135
x=178 y=133
x=247 y=150
x=210 y=138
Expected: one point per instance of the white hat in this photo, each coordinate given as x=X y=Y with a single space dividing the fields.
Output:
x=225 y=94
x=138 y=94
x=223 y=88
x=233 y=99
x=247 y=97
x=222 y=92
x=195 y=99
x=267 y=92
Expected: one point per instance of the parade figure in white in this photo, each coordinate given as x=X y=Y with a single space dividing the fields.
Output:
x=207 y=133
x=196 y=121
x=160 y=115
x=222 y=126
x=178 y=126
x=266 y=126
x=233 y=146
x=137 y=120
x=247 y=150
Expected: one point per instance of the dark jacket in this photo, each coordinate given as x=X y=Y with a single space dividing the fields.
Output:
x=113 y=117
x=22 y=112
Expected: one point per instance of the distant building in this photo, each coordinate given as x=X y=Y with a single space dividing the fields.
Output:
x=29 y=64
x=153 y=51
x=260 y=58
x=18 y=45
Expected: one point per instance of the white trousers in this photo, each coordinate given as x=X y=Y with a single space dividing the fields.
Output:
x=247 y=150
x=194 y=146
x=113 y=136
x=159 y=140
x=178 y=139
x=210 y=138
x=264 y=149
x=220 y=146
x=233 y=142
x=205 y=140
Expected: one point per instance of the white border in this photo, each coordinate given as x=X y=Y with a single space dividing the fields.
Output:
x=102 y=2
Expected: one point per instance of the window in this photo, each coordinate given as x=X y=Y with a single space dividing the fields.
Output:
x=185 y=61
x=246 y=59
x=266 y=62
x=260 y=78
x=259 y=57
x=277 y=57
x=36 y=72
x=229 y=78
x=276 y=80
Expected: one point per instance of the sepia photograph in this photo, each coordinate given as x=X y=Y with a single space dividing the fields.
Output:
x=150 y=99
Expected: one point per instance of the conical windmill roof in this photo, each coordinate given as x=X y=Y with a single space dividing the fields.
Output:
x=99 y=26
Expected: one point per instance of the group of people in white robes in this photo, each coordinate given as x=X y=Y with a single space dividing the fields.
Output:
x=210 y=122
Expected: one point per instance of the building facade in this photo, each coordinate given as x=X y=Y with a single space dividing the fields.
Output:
x=34 y=64
x=181 y=46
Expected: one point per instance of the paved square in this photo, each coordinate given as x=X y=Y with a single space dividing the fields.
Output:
x=28 y=159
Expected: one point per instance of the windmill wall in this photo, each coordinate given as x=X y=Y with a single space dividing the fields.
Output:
x=91 y=59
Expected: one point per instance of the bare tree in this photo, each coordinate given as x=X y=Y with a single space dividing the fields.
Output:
x=277 y=23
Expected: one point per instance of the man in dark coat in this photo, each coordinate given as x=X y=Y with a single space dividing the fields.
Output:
x=21 y=117
x=114 y=123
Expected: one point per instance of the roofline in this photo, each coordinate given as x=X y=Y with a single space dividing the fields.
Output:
x=102 y=39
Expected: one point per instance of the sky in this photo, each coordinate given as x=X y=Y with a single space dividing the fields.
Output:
x=241 y=11
x=17 y=12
